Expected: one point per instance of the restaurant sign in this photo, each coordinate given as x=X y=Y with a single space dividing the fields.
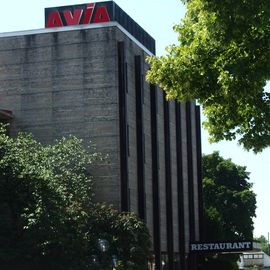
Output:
x=216 y=247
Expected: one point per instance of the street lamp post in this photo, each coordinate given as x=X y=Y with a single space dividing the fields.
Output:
x=99 y=262
x=103 y=245
x=114 y=261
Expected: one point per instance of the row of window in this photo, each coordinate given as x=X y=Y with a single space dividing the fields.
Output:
x=253 y=256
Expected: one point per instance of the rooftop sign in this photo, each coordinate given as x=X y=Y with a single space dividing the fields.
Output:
x=74 y=15
x=216 y=247
x=100 y=12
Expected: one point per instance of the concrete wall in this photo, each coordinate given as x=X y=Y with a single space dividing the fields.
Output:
x=62 y=83
x=67 y=82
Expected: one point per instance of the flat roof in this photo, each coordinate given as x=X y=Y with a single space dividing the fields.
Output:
x=74 y=28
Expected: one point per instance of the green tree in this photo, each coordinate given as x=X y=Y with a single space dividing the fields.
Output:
x=222 y=61
x=229 y=205
x=128 y=237
x=44 y=191
x=264 y=244
x=48 y=218
x=229 y=201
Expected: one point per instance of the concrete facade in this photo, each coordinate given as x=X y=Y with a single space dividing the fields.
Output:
x=86 y=81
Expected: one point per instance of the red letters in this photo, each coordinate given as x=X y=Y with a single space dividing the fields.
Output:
x=88 y=13
x=73 y=19
x=92 y=13
x=101 y=15
x=54 y=19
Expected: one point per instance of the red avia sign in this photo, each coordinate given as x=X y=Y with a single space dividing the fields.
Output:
x=99 y=12
x=75 y=15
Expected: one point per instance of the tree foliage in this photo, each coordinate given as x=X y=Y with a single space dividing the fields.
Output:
x=229 y=207
x=48 y=218
x=264 y=244
x=128 y=237
x=222 y=61
x=229 y=201
x=44 y=190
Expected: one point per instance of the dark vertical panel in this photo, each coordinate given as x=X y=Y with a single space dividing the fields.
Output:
x=140 y=137
x=199 y=169
x=190 y=172
x=155 y=177
x=180 y=188
x=126 y=77
x=123 y=127
x=128 y=144
x=168 y=180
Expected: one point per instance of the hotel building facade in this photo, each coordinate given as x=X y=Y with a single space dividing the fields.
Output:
x=84 y=74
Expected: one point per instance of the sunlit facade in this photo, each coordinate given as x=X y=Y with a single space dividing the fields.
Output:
x=89 y=80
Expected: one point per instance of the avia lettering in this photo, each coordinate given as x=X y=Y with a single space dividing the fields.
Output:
x=90 y=14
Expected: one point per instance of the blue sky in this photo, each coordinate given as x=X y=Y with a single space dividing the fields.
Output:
x=157 y=18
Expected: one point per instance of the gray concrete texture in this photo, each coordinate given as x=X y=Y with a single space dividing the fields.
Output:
x=64 y=83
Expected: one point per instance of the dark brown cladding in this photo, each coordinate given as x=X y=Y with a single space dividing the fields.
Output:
x=180 y=188
x=199 y=168
x=168 y=181
x=140 y=136
x=123 y=127
x=190 y=171
x=155 y=177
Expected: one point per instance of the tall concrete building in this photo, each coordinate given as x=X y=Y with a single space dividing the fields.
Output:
x=84 y=74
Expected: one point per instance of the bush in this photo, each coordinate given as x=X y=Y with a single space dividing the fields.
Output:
x=47 y=216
